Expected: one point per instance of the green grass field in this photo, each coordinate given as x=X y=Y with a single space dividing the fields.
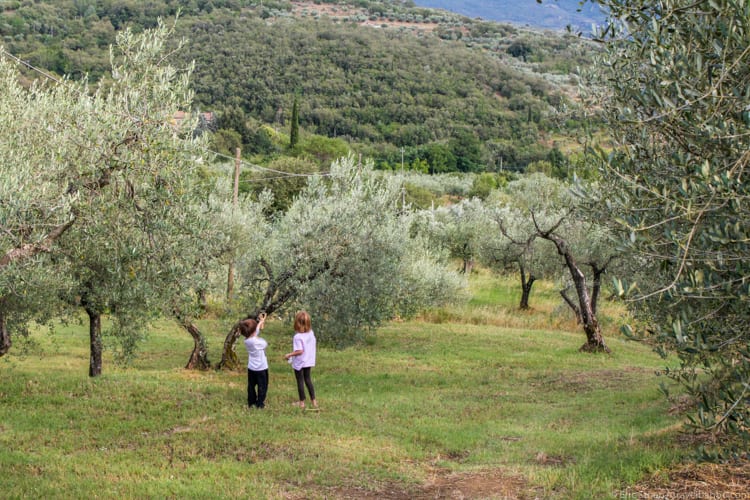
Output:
x=481 y=391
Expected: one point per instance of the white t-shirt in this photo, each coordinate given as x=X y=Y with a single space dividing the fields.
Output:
x=305 y=342
x=256 y=353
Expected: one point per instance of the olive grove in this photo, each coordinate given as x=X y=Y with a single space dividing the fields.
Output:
x=129 y=222
x=548 y=227
x=540 y=227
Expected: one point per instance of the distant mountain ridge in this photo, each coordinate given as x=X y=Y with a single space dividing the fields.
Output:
x=551 y=14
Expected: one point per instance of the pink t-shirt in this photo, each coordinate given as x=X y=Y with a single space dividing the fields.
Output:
x=306 y=343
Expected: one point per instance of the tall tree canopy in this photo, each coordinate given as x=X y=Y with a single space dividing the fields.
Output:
x=94 y=177
x=344 y=252
x=676 y=74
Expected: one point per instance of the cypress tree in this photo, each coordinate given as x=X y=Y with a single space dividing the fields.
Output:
x=294 y=133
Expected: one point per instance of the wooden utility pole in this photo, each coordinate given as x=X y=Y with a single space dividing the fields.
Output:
x=236 y=196
x=403 y=183
x=235 y=200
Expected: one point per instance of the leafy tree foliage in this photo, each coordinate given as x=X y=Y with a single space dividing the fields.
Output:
x=30 y=295
x=366 y=85
x=322 y=150
x=381 y=270
x=513 y=240
x=519 y=49
x=226 y=141
x=676 y=73
x=484 y=184
x=343 y=252
x=113 y=159
x=457 y=228
x=285 y=177
x=233 y=118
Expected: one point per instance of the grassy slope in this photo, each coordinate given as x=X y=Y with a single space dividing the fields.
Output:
x=419 y=398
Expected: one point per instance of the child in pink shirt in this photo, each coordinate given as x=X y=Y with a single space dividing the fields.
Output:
x=302 y=357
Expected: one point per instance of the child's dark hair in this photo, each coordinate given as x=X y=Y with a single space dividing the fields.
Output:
x=248 y=327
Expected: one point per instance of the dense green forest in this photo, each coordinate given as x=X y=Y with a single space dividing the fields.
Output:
x=410 y=86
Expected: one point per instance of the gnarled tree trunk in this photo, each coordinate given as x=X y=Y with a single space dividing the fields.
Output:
x=199 y=357
x=95 y=342
x=5 y=342
x=280 y=290
x=594 y=338
x=229 y=359
x=526 y=285
x=468 y=266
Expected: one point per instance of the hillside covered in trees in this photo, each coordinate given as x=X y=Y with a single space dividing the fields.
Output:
x=401 y=84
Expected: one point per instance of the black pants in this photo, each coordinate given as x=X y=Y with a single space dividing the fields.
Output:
x=304 y=379
x=257 y=380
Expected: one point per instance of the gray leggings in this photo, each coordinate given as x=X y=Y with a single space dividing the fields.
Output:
x=304 y=379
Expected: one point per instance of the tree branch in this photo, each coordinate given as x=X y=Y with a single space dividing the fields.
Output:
x=31 y=249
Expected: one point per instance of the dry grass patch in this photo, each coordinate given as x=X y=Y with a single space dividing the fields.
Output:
x=444 y=484
x=687 y=481
x=731 y=481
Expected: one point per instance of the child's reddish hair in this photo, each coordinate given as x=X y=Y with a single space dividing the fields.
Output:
x=302 y=322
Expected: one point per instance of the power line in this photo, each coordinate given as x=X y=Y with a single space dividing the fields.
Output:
x=30 y=66
x=281 y=173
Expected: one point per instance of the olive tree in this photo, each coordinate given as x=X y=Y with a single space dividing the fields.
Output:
x=578 y=243
x=457 y=228
x=343 y=252
x=229 y=231
x=115 y=171
x=539 y=208
x=676 y=77
x=378 y=270
x=107 y=265
x=511 y=239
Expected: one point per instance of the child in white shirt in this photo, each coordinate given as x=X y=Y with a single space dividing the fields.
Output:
x=257 y=364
